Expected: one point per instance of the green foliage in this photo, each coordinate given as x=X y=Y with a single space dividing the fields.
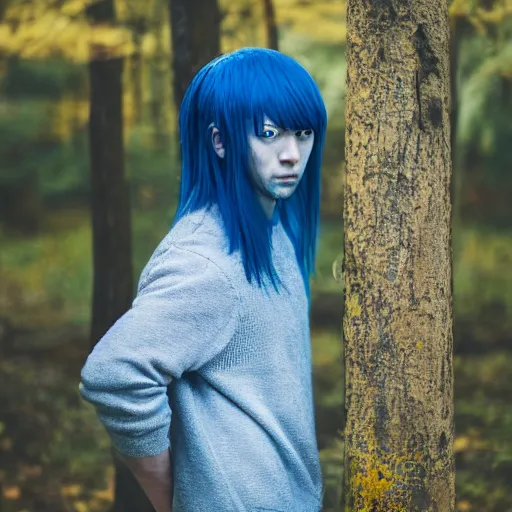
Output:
x=484 y=131
x=326 y=63
x=485 y=90
x=21 y=145
x=49 y=79
x=150 y=166
x=64 y=171
x=330 y=246
x=48 y=278
x=483 y=286
x=483 y=419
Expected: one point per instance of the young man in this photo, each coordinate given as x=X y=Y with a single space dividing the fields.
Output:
x=221 y=316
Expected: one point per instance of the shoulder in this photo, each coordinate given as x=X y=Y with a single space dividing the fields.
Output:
x=189 y=264
x=181 y=277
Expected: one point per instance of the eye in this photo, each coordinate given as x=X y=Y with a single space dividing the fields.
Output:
x=303 y=134
x=269 y=133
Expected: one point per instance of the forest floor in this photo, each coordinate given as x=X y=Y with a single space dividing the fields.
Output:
x=55 y=455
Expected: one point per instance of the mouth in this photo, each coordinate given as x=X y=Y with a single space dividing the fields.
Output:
x=287 y=177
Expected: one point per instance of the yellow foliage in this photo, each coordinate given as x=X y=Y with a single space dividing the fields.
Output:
x=81 y=506
x=75 y=7
x=130 y=9
x=107 y=494
x=149 y=45
x=71 y=490
x=459 y=8
x=31 y=471
x=479 y=17
x=6 y=444
x=68 y=114
x=43 y=30
x=323 y=20
x=53 y=34
x=237 y=33
x=472 y=441
x=12 y=492
x=461 y=444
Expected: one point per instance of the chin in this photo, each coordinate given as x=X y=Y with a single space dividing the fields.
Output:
x=281 y=194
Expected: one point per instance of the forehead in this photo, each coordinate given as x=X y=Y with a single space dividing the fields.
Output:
x=268 y=121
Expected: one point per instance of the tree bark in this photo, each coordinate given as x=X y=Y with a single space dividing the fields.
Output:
x=270 y=24
x=398 y=306
x=194 y=42
x=111 y=221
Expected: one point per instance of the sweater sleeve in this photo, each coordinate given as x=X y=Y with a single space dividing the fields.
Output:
x=184 y=314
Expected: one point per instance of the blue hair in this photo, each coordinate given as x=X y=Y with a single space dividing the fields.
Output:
x=235 y=92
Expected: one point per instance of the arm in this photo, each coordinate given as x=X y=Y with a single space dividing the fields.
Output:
x=154 y=475
x=185 y=313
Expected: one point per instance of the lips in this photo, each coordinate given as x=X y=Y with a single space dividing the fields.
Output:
x=288 y=177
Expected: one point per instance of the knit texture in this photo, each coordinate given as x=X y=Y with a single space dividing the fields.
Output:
x=235 y=361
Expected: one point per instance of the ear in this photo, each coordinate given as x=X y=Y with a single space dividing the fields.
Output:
x=217 y=142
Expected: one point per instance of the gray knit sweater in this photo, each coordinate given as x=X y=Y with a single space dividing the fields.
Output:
x=237 y=361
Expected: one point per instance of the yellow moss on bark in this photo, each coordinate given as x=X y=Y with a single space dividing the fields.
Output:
x=398 y=315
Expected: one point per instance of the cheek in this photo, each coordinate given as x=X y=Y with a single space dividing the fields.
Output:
x=305 y=154
x=260 y=163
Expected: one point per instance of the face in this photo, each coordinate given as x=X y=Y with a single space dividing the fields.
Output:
x=278 y=159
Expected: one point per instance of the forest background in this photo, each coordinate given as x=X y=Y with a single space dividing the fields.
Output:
x=54 y=455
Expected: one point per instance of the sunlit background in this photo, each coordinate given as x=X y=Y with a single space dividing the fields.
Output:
x=54 y=454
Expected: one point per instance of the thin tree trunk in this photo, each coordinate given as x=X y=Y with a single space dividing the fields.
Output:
x=111 y=221
x=270 y=24
x=194 y=42
x=457 y=34
x=398 y=308
x=157 y=80
x=136 y=77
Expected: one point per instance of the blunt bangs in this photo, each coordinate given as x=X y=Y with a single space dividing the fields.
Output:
x=235 y=92
x=254 y=82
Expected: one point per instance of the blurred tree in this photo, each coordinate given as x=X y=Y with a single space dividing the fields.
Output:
x=398 y=310
x=483 y=122
x=194 y=42
x=139 y=25
x=21 y=206
x=111 y=218
x=270 y=24
x=159 y=64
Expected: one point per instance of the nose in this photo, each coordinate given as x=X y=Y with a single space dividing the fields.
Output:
x=289 y=153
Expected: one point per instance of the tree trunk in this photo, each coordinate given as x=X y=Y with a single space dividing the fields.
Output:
x=111 y=222
x=270 y=24
x=136 y=78
x=158 y=80
x=21 y=206
x=398 y=315
x=194 y=42
x=460 y=28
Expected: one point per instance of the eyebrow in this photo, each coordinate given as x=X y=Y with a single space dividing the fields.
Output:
x=273 y=125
